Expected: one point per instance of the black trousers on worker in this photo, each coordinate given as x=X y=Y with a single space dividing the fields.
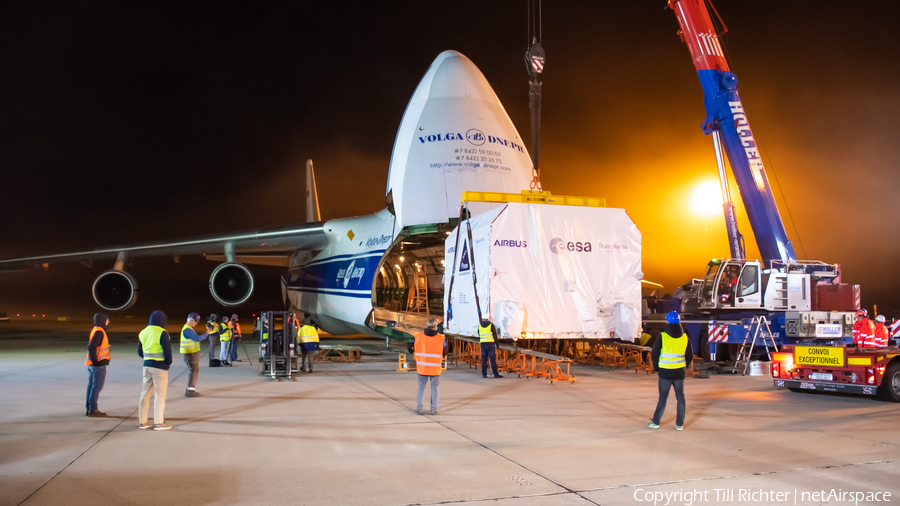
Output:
x=664 y=386
x=489 y=352
x=213 y=341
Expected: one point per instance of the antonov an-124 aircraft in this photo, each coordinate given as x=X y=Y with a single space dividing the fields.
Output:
x=354 y=275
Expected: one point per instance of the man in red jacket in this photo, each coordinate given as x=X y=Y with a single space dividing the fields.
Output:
x=863 y=329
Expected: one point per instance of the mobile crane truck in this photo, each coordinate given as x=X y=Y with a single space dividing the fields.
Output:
x=799 y=305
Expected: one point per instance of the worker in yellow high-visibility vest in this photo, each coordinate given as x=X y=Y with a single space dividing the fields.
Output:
x=190 y=352
x=156 y=350
x=671 y=355
x=225 y=340
x=212 y=331
x=262 y=326
x=487 y=336
x=309 y=344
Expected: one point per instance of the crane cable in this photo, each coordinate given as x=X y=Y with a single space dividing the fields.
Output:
x=534 y=27
x=534 y=61
x=719 y=33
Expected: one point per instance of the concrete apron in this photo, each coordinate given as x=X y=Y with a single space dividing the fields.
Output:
x=348 y=434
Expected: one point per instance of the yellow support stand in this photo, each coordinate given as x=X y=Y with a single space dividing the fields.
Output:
x=402 y=364
x=530 y=197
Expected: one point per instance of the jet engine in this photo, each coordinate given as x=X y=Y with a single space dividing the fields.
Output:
x=115 y=290
x=231 y=284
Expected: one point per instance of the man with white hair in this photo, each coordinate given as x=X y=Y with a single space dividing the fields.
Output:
x=880 y=336
x=190 y=351
x=429 y=355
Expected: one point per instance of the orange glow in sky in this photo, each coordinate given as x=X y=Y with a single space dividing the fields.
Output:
x=707 y=198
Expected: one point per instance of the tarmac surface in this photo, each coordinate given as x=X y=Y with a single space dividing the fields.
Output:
x=348 y=435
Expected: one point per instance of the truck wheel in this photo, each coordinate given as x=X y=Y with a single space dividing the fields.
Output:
x=410 y=347
x=889 y=389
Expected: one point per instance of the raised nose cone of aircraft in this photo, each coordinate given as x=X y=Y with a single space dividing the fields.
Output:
x=455 y=135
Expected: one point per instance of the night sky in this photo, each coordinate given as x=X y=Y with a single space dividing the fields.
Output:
x=127 y=122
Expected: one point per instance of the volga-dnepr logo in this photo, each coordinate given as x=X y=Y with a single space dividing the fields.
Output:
x=475 y=137
x=349 y=273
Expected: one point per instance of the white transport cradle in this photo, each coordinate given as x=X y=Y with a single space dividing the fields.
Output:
x=545 y=271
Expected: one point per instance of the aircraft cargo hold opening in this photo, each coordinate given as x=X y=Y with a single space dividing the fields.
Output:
x=409 y=283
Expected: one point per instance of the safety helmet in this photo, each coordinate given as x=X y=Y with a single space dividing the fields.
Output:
x=673 y=317
x=213 y=317
x=880 y=318
x=234 y=317
x=861 y=313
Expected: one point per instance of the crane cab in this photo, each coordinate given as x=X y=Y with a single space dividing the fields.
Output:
x=731 y=283
x=743 y=284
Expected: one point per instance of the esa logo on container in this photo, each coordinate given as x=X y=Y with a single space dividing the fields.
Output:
x=559 y=246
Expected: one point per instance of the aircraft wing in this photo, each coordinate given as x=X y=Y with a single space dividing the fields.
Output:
x=230 y=284
x=268 y=246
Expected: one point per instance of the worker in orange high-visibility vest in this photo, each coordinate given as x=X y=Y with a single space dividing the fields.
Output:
x=97 y=360
x=863 y=330
x=235 y=338
x=880 y=332
x=429 y=356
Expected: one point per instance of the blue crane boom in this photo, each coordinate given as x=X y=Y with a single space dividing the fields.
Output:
x=726 y=119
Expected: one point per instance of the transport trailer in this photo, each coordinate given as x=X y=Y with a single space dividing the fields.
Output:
x=843 y=369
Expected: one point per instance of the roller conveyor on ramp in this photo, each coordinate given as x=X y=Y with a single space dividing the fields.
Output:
x=403 y=326
x=399 y=325
x=511 y=359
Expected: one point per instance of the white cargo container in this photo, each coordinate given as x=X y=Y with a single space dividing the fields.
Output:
x=545 y=271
